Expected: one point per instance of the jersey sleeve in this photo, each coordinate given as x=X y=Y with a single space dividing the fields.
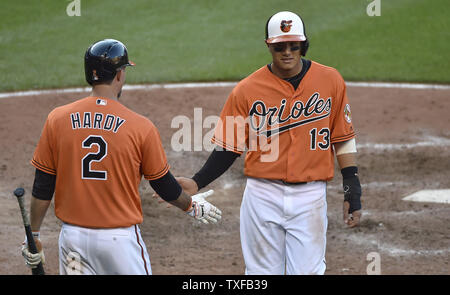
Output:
x=342 y=126
x=43 y=158
x=154 y=162
x=231 y=132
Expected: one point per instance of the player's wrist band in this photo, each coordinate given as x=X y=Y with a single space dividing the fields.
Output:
x=349 y=172
x=346 y=147
x=36 y=236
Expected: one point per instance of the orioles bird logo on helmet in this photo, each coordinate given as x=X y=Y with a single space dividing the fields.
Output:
x=286 y=25
x=94 y=74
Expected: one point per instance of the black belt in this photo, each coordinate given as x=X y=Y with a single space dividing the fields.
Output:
x=292 y=183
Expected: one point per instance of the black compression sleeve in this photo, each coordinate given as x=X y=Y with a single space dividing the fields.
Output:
x=352 y=187
x=166 y=187
x=349 y=172
x=44 y=185
x=217 y=163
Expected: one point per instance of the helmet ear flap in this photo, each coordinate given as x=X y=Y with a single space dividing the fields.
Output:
x=304 y=47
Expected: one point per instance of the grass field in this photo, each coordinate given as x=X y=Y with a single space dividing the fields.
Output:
x=204 y=40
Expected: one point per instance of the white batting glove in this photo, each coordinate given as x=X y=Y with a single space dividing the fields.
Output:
x=204 y=211
x=32 y=260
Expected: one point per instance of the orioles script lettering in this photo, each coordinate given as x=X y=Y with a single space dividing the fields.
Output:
x=261 y=116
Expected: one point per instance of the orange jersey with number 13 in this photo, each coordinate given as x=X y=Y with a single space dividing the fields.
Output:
x=300 y=124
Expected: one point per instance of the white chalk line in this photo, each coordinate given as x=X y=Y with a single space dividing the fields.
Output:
x=374 y=184
x=412 y=213
x=431 y=141
x=125 y=87
x=393 y=250
x=215 y=84
x=398 y=85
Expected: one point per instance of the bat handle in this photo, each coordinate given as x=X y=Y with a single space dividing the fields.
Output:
x=38 y=270
x=30 y=240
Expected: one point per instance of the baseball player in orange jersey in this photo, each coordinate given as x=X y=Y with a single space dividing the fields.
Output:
x=92 y=155
x=297 y=116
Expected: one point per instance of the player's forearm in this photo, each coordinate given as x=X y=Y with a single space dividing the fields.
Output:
x=170 y=191
x=217 y=163
x=346 y=157
x=346 y=160
x=183 y=202
x=42 y=194
x=346 y=153
x=347 y=163
x=38 y=209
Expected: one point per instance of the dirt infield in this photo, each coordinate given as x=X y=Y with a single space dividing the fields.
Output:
x=404 y=146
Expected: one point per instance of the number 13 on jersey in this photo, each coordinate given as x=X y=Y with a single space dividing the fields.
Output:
x=321 y=139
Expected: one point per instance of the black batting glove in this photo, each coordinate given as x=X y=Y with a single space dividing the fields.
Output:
x=352 y=188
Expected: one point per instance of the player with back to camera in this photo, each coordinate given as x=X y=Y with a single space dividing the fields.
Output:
x=300 y=109
x=91 y=155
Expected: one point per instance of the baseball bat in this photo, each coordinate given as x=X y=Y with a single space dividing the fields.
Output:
x=19 y=193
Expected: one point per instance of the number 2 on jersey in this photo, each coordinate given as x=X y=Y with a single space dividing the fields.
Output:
x=325 y=143
x=86 y=172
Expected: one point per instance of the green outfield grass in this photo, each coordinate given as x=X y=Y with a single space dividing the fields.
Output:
x=204 y=40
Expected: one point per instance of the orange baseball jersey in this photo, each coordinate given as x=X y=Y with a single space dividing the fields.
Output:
x=288 y=134
x=99 y=150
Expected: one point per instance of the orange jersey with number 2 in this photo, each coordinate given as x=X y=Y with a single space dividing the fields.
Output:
x=99 y=150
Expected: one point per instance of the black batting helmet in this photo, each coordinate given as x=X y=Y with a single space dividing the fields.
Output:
x=103 y=59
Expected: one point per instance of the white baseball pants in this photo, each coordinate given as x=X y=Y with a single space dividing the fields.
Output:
x=283 y=227
x=90 y=251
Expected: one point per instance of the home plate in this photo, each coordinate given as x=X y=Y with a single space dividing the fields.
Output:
x=434 y=196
